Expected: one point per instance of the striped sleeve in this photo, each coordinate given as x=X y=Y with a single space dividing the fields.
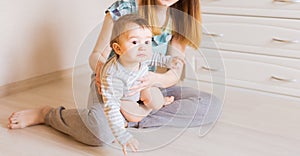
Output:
x=112 y=91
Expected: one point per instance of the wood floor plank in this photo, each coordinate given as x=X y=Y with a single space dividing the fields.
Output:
x=251 y=125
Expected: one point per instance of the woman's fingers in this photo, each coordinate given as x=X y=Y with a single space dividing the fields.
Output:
x=132 y=92
x=99 y=90
x=97 y=78
x=144 y=78
x=146 y=82
x=139 y=86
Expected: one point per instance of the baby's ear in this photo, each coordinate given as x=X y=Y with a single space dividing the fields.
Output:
x=116 y=47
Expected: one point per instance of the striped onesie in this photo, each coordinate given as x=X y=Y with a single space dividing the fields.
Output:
x=115 y=84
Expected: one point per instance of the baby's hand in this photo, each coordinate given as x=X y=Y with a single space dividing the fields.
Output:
x=132 y=144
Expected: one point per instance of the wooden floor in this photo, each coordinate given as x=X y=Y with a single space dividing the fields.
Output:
x=250 y=125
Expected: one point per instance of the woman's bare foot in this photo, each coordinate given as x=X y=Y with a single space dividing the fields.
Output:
x=168 y=100
x=28 y=117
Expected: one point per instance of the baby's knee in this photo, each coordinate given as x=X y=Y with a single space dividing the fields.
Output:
x=154 y=100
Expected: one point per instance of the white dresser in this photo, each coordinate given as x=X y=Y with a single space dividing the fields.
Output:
x=250 y=58
x=258 y=42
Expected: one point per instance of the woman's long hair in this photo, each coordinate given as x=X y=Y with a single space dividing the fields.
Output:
x=185 y=16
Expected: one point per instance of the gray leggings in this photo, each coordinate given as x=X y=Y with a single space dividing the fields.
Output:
x=190 y=108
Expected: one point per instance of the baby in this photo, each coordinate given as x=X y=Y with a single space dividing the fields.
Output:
x=131 y=41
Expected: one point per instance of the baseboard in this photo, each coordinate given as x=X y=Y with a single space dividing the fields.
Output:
x=34 y=82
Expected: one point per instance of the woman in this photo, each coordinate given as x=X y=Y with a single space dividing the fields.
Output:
x=190 y=106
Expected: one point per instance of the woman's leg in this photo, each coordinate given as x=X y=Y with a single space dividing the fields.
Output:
x=190 y=108
x=29 y=117
x=88 y=126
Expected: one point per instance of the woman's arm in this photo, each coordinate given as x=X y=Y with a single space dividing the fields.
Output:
x=102 y=49
x=172 y=76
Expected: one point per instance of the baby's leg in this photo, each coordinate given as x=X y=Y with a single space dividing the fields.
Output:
x=153 y=98
x=134 y=112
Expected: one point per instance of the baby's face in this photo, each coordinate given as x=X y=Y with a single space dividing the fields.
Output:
x=136 y=44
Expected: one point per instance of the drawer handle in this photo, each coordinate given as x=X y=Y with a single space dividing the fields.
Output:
x=283 y=79
x=214 y=35
x=287 y=1
x=285 y=41
x=209 y=69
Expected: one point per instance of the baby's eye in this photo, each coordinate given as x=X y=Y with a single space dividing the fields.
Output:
x=134 y=42
x=147 y=42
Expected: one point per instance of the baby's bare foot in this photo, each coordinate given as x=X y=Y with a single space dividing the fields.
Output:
x=29 y=117
x=168 y=100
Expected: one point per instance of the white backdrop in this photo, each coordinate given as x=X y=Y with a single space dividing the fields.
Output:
x=40 y=37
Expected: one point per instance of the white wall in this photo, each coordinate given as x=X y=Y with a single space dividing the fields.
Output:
x=43 y=36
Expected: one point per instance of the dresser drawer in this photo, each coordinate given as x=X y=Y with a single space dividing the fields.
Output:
x=263 y=8
x=279 y=37
x=266 y=73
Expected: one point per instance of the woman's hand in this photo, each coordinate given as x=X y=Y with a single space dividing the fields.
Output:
x=133 y=144
x=147 y=81
x=177 y=63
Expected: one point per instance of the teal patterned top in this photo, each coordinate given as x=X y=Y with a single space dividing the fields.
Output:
x=123 y=7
